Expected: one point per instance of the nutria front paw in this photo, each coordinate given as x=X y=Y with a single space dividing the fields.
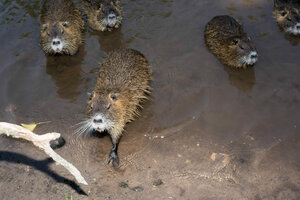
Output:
x=114 y=158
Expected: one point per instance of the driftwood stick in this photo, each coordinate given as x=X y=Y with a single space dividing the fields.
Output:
x=43 y=142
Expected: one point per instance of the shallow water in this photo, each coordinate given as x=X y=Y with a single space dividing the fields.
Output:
x=199 y=114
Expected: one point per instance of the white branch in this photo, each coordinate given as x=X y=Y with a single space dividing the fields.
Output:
x=43 y=142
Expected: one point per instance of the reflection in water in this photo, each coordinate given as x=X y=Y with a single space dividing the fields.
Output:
x=66 y=72
x=109 y=41
x=294 y=40
x=242 y=79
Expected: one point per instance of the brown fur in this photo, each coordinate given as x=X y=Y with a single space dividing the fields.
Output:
x=126 y=74
x=53 y=14
x=220 y=36
x=93 y=9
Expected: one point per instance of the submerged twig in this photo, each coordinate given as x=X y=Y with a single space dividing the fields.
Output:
x=43 y=142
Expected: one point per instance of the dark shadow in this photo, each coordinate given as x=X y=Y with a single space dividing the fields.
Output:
x=66 y=72
x=41 y=165
x=110 y=40
x=242 y=79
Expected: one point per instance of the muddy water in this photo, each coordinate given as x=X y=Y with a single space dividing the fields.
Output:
x=208 y=132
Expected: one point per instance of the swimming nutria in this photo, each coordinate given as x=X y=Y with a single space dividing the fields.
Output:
x=61 y=27
x=102 y=14
x=228 y=41
x=287 y=14
x=122 y=84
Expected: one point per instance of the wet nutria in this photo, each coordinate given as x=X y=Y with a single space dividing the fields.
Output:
x=122 y=84
x=287 y=14
x=61 y=27
x=228 y=41
x=103 y=14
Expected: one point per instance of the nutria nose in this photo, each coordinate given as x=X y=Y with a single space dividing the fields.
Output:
x=111 y=16
x=57 y=42
x=98 y=121
x=253 y=56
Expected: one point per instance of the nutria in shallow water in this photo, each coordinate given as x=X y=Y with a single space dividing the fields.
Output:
x=61 y=27
x=103 y=14
x=228 y=41
x=122 y=85
x=287 y=15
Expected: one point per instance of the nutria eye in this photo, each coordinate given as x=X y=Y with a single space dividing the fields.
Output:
x=65 y=24
x=235 y=42
x=113 y=97
x=283 y=13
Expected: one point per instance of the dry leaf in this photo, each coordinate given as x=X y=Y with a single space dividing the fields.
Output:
x=32 y=126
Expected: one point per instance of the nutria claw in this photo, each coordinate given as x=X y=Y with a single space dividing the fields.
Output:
x=113 y=158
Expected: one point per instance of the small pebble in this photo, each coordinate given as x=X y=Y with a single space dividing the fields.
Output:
x=162 y=137
x=54 y=144
x=138 y=189
x=157 y=183
x=123 y=185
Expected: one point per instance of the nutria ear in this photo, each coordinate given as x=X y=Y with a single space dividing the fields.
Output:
x=99 y=6
x=114 y=96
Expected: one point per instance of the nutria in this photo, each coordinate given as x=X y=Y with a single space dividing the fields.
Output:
x=103 y=14
x=61 y=27
x=228 y=41
x=287 y=15
x=122 y=84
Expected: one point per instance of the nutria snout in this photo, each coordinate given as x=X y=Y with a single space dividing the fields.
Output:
x=103 y=14
x=228 y=41
x=287 y=15
x=122 y=84
x=61 y=27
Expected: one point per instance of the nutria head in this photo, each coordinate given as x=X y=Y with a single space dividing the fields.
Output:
x=287 y=14
x=55 y=36
x=61 y=27
x=239 y=51
x=228 y=41
x=109 y=15
x=106 y=112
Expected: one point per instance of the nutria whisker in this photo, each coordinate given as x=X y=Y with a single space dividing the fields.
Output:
x=85 y=128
